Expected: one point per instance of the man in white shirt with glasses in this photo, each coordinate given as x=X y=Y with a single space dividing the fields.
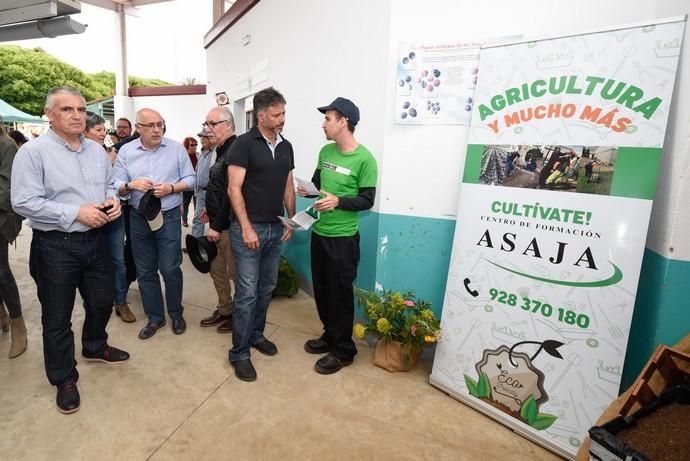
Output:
x=161 y=165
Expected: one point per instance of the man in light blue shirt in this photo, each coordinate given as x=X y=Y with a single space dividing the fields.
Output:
x=156 y=163
x=203 y=166
x=63 y=184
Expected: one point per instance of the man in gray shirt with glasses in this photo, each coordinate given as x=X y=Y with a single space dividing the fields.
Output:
x=63 y=184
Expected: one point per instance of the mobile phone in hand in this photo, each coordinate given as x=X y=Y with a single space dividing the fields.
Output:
x=106 y=208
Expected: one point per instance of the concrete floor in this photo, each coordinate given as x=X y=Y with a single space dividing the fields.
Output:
x=178 y=399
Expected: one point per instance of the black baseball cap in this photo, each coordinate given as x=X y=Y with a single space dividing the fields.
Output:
x=346 y=107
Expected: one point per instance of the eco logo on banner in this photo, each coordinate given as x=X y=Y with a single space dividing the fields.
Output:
x=560 y=174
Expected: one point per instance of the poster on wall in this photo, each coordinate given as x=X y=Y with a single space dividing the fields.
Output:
x=561 y=169
x=435 y=83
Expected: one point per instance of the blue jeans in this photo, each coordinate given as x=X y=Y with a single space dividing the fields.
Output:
x=154 y=251
x=257 y=274
x=114 y=233
x=197 y=225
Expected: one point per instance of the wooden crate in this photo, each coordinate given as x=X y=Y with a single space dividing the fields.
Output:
x=665 y=368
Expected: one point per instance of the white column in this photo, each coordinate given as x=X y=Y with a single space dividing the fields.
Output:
x=122 y=101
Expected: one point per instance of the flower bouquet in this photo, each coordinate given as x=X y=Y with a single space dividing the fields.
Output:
x=402 y=322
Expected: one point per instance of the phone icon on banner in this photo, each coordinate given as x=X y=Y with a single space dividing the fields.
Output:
x=474 y=293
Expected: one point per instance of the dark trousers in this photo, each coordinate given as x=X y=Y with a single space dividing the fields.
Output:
x=334 y=263
x=60 y=264
x=187 y=197
x=8 y=286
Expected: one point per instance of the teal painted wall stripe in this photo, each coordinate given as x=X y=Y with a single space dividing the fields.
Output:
x=662 y=311
x=416 y=256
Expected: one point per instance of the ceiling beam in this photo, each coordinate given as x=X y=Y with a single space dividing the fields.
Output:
x=52 y=27
x=15 y=11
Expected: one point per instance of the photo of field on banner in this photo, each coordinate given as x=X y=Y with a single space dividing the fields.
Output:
x=584 y=169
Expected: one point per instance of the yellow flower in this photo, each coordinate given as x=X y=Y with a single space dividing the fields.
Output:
x=427 y=315
x=430 y=339
x=382 y=325
x=398 y=301
x=358 y=330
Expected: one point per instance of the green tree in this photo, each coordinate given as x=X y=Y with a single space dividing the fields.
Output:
x=26 y=75
x=105 y=81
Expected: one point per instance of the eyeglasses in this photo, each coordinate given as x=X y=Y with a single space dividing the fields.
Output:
x=150 y=126
x=213 y=124
x=192 y=145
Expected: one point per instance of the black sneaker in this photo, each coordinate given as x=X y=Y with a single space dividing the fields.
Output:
x=329 y=364
x=67 y=399
x=266 y=347
x=109 y=355
x=244 y=370
x=316 y=346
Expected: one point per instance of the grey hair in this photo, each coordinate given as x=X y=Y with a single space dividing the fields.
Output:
x=226 y=114
x=50 y=98
x=93 y=119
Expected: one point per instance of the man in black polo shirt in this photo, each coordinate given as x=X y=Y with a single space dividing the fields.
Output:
x=260 y=164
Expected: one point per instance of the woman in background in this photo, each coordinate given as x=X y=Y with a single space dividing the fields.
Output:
x=19 y=138
x=10 y=224
x=187 y=196
x=114 y=231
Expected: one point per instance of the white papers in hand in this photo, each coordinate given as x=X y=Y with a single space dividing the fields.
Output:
x=308 y=186
x=300 y=221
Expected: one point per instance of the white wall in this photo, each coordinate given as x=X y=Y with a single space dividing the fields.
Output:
x=316 y=50
x=183 y=114
x=423 y=164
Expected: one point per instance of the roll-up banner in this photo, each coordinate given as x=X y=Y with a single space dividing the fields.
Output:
x=565 y=147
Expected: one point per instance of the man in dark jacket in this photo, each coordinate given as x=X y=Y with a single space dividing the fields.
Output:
x=220 y=123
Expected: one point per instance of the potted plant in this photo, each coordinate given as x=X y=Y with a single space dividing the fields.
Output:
x=403 y=323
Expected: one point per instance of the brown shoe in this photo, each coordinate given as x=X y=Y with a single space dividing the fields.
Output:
x=214 y=319
x=18 y=345
x=225 y=327
x=123 y=311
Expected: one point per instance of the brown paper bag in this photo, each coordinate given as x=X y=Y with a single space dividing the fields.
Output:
x=393 y=356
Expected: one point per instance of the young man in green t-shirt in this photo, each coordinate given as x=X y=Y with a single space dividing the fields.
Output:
x=346 y=176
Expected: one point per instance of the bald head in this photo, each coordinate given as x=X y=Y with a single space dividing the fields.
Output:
x=150 y=126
